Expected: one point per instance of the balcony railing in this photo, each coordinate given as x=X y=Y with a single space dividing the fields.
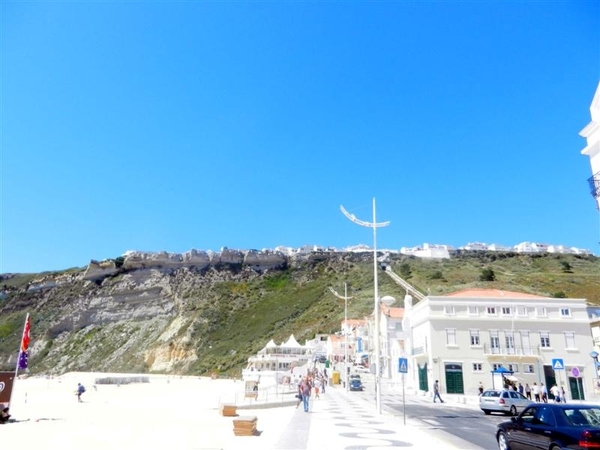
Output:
x=514 y=350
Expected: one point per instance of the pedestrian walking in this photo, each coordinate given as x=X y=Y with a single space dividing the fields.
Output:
x=536 y=392
x=436 y=391
x=527 y=391
x=80 y=390
x=555 y=393
x=563 y=395
x=544 y=393
x=480 y=388
x=521 y=389
x=306 y=388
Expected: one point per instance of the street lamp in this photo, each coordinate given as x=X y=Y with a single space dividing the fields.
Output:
x=373 y=225
x=346 y=298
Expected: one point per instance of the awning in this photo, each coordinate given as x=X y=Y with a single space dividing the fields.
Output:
x=511 y=378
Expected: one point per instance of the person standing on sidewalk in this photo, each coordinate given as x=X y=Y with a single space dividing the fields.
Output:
x=436 y=391
x=527 y=391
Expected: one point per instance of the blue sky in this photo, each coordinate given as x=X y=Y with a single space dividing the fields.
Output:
x=177 y=125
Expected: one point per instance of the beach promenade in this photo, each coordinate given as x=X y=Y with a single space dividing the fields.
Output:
x=184 y=413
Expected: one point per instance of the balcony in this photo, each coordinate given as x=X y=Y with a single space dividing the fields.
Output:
x=419 y=350
x=515 y=350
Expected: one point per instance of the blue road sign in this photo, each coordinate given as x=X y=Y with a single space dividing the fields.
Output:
x=558 y=364
x=402 y=365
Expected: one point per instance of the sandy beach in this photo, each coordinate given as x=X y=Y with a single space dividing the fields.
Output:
x=167 y=412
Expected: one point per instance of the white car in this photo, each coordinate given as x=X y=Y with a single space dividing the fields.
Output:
x=504 y=401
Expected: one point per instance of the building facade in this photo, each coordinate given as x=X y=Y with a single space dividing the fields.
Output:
x=464 y=338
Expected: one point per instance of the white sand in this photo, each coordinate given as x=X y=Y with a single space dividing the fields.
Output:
x=168 y=412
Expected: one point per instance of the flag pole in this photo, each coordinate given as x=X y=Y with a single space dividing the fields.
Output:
x=21 y=350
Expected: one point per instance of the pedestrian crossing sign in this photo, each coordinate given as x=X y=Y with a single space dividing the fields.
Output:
x=557 y=364
x=402 y=365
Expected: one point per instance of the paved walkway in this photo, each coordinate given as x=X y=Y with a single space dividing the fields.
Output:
x=345 y=421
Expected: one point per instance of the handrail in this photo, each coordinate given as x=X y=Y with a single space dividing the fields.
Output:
x=407 y=286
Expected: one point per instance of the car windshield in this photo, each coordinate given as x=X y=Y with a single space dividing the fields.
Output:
x=583 y=417
x=491 y=394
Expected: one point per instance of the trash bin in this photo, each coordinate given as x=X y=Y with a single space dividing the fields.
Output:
x=335 y=376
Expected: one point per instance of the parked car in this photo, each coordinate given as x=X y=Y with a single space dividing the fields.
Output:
x=504 y=401
x=552 y=426
x=355 y=384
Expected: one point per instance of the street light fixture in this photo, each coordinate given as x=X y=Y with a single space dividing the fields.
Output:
x=373 y=225
x=345 y=298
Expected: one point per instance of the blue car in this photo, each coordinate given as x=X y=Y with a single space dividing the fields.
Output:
x=356 y=384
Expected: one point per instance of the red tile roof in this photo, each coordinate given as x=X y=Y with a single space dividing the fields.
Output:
x=491 y=293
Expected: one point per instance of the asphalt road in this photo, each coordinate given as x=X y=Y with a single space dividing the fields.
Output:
x=466 y=426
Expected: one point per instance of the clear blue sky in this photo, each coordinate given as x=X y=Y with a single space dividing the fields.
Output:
x=177 y=125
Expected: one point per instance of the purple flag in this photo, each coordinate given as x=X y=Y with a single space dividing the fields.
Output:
x=22 y=360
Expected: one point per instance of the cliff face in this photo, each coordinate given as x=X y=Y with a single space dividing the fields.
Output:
x=146 y=313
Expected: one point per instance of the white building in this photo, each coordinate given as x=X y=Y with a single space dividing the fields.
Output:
x=461 y=338
x=592 y=133
x=428 y=251
x=531 y=247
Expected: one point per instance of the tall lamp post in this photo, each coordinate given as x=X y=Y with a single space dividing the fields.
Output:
x=345 y=298
x=373 y=225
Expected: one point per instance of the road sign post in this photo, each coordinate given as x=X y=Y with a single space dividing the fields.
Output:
x=403 y=369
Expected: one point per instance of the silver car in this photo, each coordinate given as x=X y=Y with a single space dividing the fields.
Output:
x=504 y=401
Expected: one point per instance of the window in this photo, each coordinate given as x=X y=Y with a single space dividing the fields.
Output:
x=541 y=311
x=510 y=342
x=398 y=326
x=449 y=310
x=450 y=336
x=506 y=310
x=565 y=312
x=545 y=339
x=477 y=367
x=570 y=339
x=494 y=342
x=528 y=368
x=513 y=367
x=473 y=311
x=475 y=338
x=521 y=311
x=496 y=366
x=491 y=310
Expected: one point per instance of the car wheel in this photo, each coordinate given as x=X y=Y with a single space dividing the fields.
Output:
x=513 y=410
x=487 y=412
x=503 y=441
x=555 y=447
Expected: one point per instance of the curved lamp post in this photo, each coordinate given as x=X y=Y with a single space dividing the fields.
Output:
x=373 y=225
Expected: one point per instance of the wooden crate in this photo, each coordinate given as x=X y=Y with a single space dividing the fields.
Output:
x=228 y=410
x=245 y=426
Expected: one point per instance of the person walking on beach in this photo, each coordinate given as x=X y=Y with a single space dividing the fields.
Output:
x=436 y=391
x=80 y=390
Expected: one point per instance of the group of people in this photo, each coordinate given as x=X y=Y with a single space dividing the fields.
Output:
x=312 y=382
x=540 y=393
x=537 y=393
